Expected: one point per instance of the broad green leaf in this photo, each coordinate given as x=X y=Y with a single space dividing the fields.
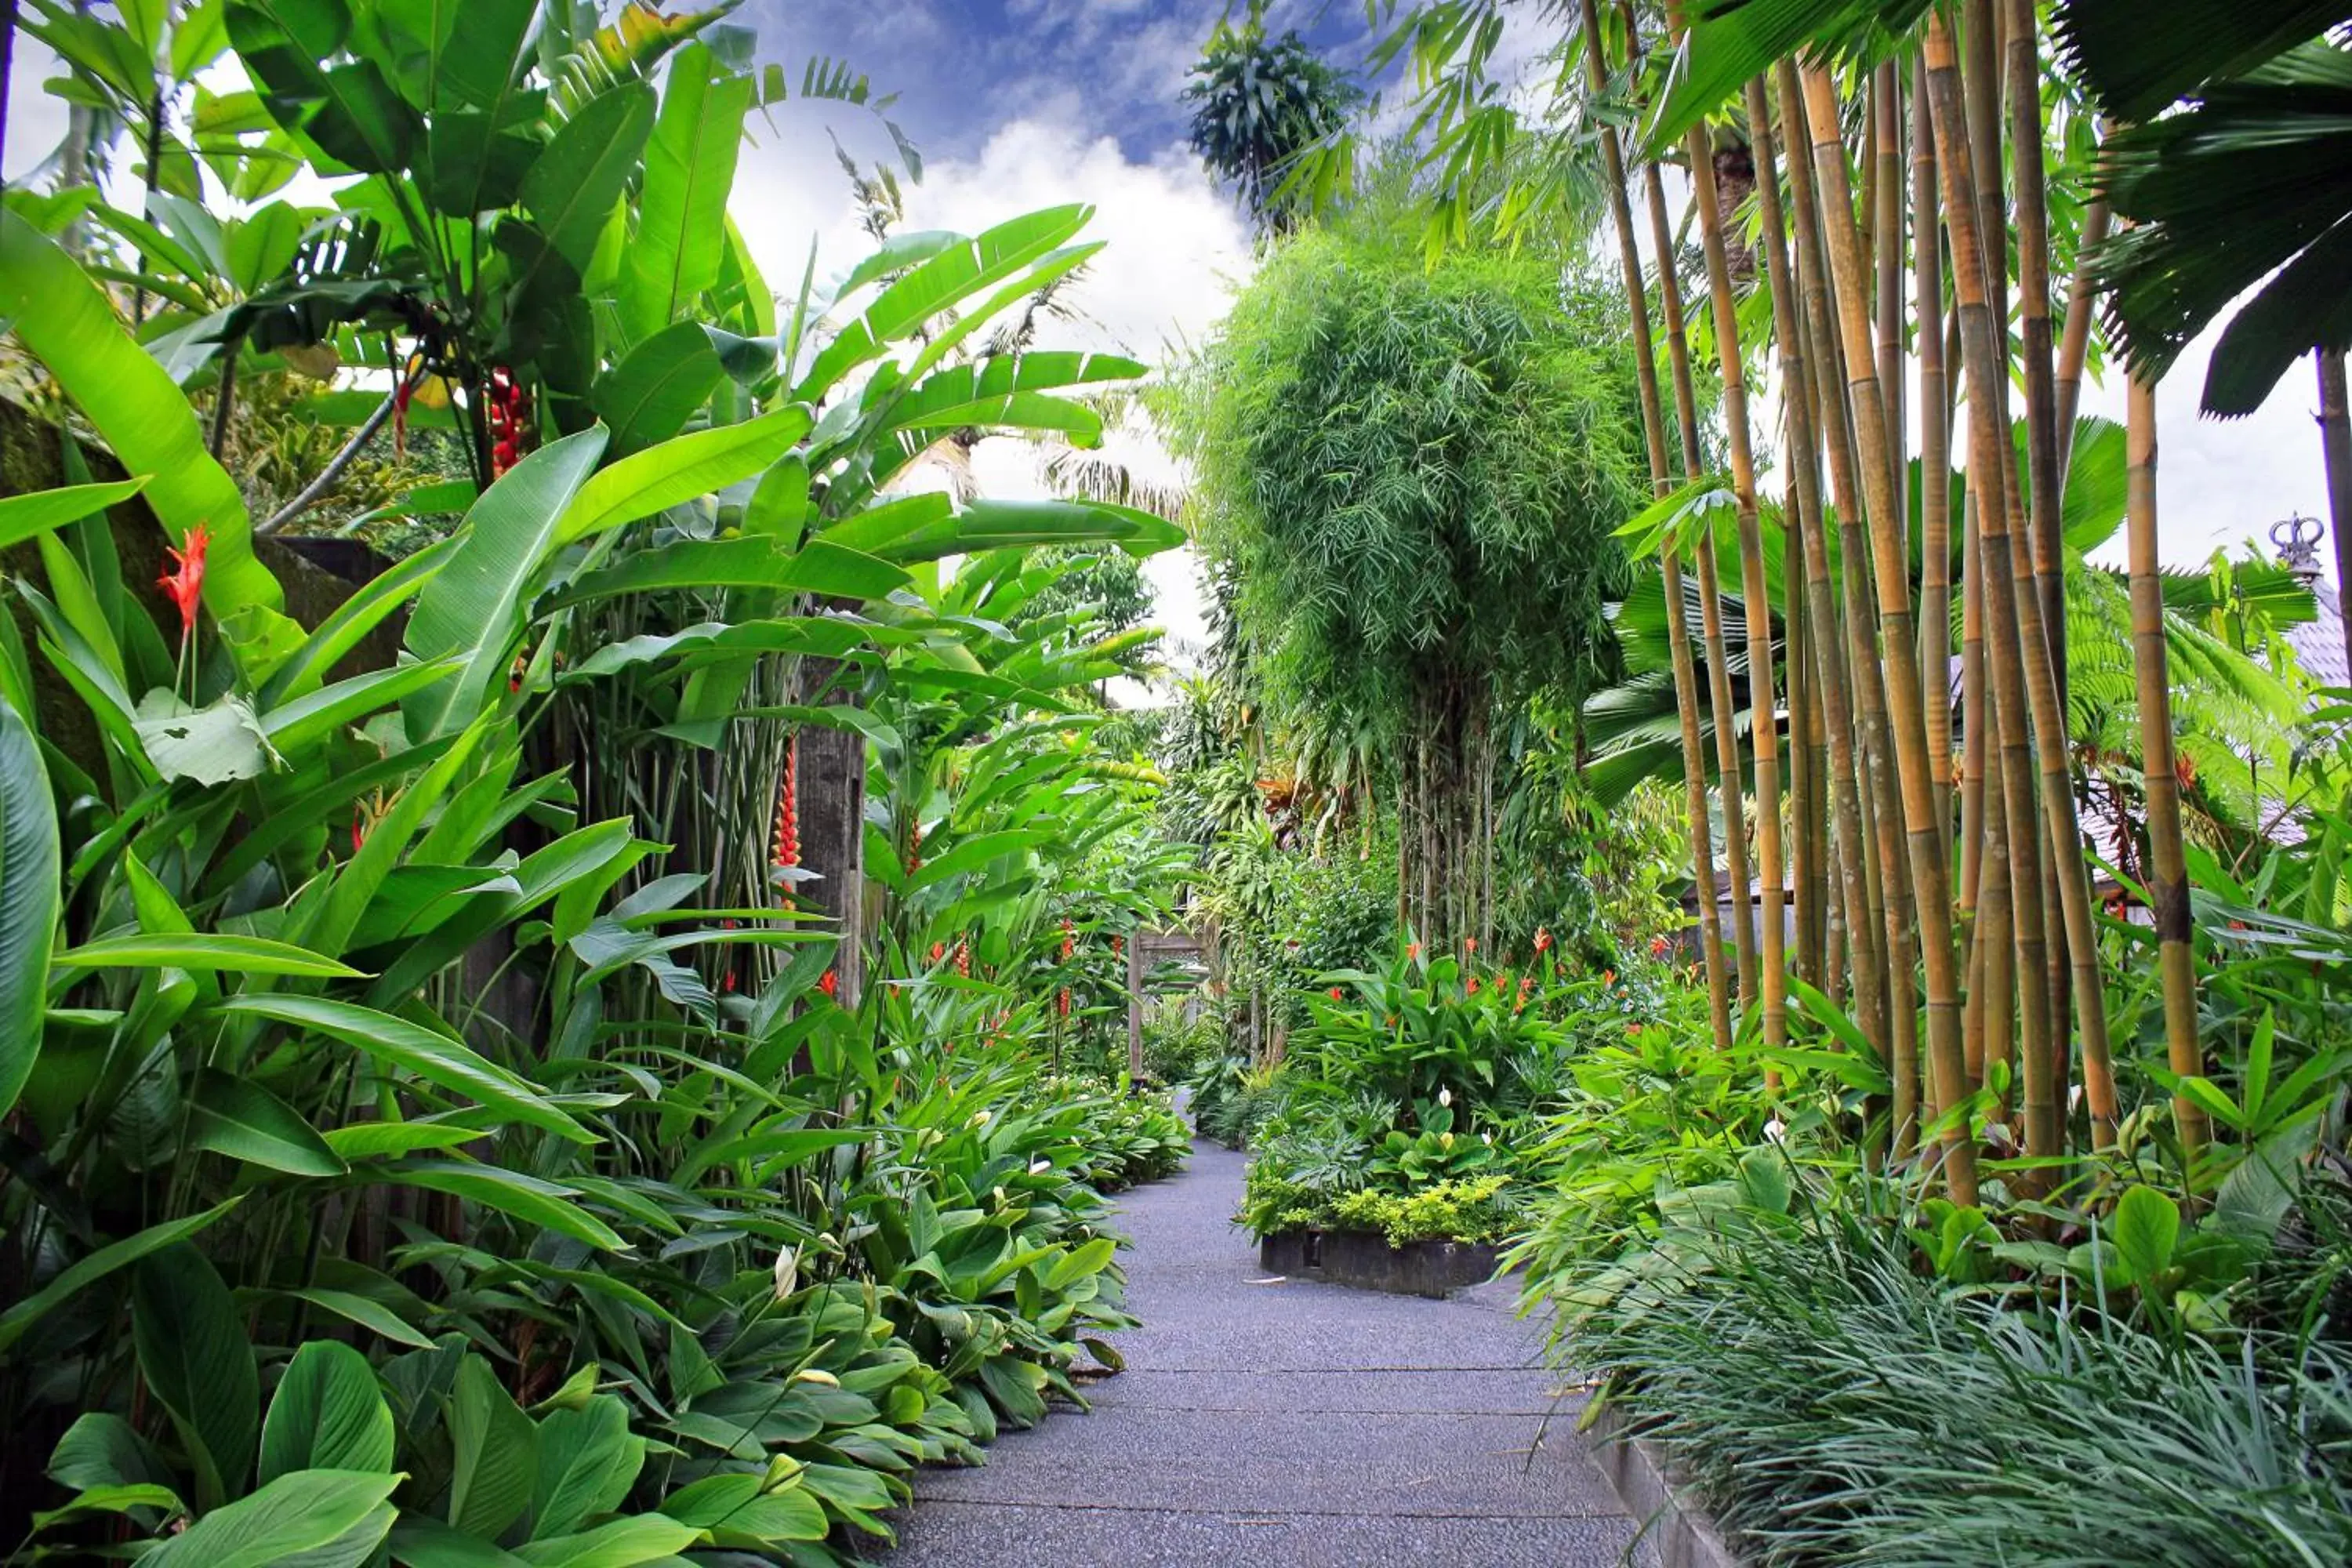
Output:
x=420 y=1541
x=937 y=284
x=215 y=744
x=431 y=1056
x=193 y=1352
x=588 y=1460
x=295 y=725
x=109 y=1499
x=23 y=517
x=237 y=1117
x=208 y=950
x=327 y=1415
x=2145 y=1229
x=549 y=1205
x=681 y=231
x=735 y=1509
x=290 y=1518
x=971 y=853
x=573 y=184
x=367 y=1314
x=679 y=470
x=618 y=1543
x=350 y=623
x=476 y=607
x=650 y=394
x=29 y=883
x=102 y=1450
x=354 y=114
x=86 y=1271
x=493 y=1453
x=377 y=1140
x=819 y=567
x=63 y=319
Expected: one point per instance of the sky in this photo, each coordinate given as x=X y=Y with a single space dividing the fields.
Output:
x=1022 y=104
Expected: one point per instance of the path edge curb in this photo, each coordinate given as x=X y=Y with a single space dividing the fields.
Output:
x=1660 y=1498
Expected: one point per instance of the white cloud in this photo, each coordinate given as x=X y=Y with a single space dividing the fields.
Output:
x=1174 y=250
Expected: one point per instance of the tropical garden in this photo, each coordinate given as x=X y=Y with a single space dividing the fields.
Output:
x=584 y=918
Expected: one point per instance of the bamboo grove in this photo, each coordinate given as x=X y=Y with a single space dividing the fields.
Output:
x=1916 y=836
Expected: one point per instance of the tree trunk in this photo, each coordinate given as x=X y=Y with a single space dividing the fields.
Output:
x=832 y=780
x=2336 y=442
x=1934 y=457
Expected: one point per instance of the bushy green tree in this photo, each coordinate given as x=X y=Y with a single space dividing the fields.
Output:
x=1412 y=476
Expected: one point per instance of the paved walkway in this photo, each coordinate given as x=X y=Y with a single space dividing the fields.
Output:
x=1282 y=1424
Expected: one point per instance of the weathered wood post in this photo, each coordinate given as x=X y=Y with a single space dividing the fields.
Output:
x=1135 y=1005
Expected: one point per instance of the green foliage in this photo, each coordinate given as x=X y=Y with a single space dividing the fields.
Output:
x=1469 y=1210
x=1413 y=475
x=1259 y=105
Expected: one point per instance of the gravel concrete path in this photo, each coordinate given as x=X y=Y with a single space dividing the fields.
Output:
x=1279 y=1422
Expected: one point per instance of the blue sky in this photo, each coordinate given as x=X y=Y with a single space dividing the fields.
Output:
x=964 y=68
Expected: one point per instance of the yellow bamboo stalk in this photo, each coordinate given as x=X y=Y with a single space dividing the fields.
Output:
x=2169 y=886
x=1889 y=918
x=1764 y=734
x=1806 y=521
x=1710 y=601
x=1897 y=639
x=1686 y=677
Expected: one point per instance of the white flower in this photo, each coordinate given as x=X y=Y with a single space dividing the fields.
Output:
x=1039 y=1167
x=1490 y=1137
x=1776 y=1131
x=1445 y=1096
x=979 y=1118
x=788 y=1272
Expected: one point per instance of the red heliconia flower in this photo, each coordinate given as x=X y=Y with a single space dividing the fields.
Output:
x=185 y=583
x=939 y=951
x=963 y=957
x=1659 y=946
x=1069 y=943
x=1469 y=944
x=507 y=406
x=1470 y=988
x=1543 y=940
x=1117 y=945
x=359 y=828
x=1063 y=1002
x=915 y=847
x=1608 y=978
x=829 y=985
x=1413 y=951
x=1338 y=995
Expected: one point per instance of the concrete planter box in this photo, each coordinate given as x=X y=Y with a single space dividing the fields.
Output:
x=1653 y=1490
x=1364 y=1260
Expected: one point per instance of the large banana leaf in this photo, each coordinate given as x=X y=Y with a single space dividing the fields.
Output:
x=936 y=285
x=681 y=232
x=68 y=324
x=475 y=609
x=28 y=900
